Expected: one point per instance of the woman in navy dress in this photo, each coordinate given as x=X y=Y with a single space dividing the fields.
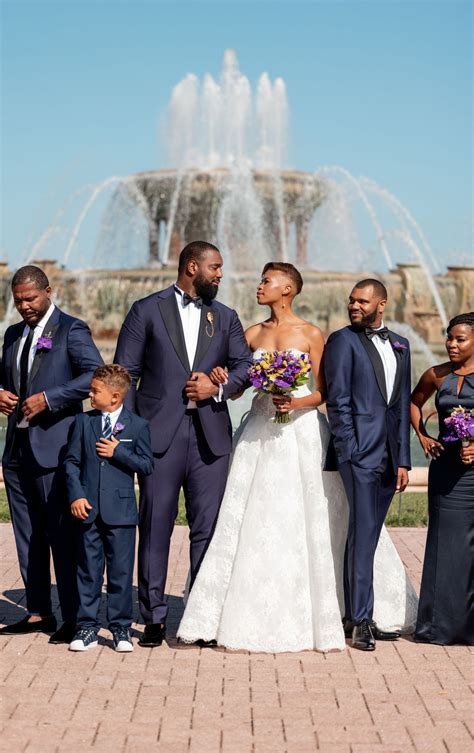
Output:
x=446 y=606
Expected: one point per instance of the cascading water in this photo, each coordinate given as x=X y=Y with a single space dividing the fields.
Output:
x=229 y=183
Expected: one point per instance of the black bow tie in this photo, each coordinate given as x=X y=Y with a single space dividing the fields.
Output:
x=187 y=299
x=382 y=332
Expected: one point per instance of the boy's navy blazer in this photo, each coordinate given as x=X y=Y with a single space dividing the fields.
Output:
x=64 y=373
x=108 y=483
x=363 y=423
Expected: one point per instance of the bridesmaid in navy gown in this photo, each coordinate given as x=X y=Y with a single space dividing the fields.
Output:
x=446 y=606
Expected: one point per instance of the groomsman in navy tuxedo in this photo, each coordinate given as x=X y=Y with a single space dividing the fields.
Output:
x=47 y=365
x=367 y=371
x=169 y=343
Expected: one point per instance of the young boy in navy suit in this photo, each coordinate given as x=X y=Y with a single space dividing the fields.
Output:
x=108 y=445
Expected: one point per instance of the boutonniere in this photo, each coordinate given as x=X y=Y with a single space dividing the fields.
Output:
x=44 y=343
x=118 y=428
x=210 y=319
x=399 y=346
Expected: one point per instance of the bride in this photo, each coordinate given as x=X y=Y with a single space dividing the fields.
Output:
x=272 y=577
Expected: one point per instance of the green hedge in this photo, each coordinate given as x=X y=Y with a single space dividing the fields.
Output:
x=410 y=510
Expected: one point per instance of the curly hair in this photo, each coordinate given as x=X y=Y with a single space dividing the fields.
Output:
x=114 y=375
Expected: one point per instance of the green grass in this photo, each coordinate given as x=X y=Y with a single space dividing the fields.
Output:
x=412 y=512
x=4 y=511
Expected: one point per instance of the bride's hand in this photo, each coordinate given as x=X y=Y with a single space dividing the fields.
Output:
x=284 y=403
x=218 y=376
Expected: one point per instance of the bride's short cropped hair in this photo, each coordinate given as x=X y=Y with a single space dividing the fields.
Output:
x=289 y=270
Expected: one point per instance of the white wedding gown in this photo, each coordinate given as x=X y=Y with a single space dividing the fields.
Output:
x=272 y=577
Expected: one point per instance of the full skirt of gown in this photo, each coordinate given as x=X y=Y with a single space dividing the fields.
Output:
x=272 y=577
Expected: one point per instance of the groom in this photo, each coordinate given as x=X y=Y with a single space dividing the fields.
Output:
x=367 y=370
x=169 y=342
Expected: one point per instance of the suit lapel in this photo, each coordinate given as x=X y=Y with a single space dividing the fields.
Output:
x=15 y=371
x=96 y=424
x=398 y=373
x=170 y=314
x=207 y=327
x=376 y=362
x=49 y=331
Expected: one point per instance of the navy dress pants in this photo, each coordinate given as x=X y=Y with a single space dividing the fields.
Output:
x=187 y=463
x=42 y=524
x=98 y=544
x=369 y=493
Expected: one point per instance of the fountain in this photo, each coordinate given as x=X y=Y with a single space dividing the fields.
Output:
x=230 y=184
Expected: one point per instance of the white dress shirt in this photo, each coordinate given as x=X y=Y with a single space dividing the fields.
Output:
x=191 y=320
x=38 y=332
x=113 y=417
x=389 y=361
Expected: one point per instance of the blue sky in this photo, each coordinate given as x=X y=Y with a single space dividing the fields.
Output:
x=384 y=89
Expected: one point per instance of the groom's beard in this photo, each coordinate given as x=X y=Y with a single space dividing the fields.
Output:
x=366 y=321
x=205 y=289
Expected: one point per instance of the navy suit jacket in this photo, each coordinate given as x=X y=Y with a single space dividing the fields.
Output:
x=151 y=346
x=363 y=424
x=108 y=483
x=64 y=373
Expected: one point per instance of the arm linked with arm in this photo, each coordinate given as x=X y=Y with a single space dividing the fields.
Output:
x=239 y=360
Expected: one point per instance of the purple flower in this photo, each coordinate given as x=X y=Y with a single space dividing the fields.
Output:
x=118 y=427
x=460 y=424
x=44 y=343
x=399 y=346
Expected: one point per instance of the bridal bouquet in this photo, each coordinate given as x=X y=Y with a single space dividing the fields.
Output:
x=279 y=372
x=460 y=425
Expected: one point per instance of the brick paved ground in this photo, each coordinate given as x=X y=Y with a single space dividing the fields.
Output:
x=403 y=697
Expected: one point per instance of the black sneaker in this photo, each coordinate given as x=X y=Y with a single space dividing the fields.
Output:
x=121 y=638
x=84 y=639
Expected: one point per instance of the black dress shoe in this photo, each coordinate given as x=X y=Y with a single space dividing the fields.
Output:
x=65 y=634
x=153 y=635
x=205 y=644
x=24 y=626
x=362 y=636
x=384 y=635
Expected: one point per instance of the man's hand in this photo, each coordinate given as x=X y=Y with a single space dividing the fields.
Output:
x=106 y=447
x=80 y=508
x=402 y=479
x=8 y=402
x=33 y=405
x=200 y=387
